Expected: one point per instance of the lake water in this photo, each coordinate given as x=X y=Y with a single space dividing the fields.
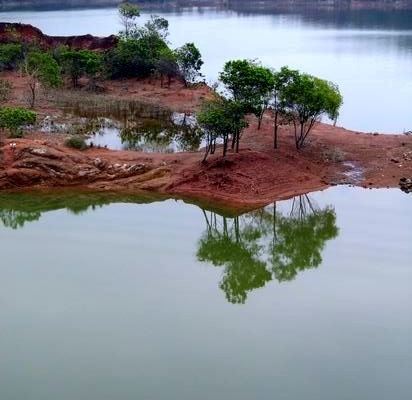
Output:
x=368 y=54
x=130 y=298
x=133 y=297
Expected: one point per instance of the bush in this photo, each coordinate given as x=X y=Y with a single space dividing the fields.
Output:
x=76 y=142
x=334 y=155
x=5 y=90
x=14 y=119
x=11 y=54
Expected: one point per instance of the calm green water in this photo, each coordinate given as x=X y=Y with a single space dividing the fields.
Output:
x=131 y=298
x=368 y=54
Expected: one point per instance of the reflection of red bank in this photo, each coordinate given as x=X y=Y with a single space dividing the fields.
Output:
x=13 y=32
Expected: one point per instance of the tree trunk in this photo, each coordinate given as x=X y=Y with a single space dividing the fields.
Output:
x=260 y=121
x=33 y=94
x=233 y=140
x=225 y=143
x=275 y=132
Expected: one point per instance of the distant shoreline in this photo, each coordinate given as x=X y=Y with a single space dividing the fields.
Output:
x=235 y=5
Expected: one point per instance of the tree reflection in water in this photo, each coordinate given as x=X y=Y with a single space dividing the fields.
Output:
x=266 y=244
x=253 y=249
x=156 y=136
x=16 y=219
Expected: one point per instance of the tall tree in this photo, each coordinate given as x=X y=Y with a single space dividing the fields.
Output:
x=166 y=66
x=190 y=62
x=306 y=99
x=249 y=83
x=282 y=79
x=128 y=13
x=41 y=68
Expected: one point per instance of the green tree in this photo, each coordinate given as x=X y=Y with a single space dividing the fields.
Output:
x=282 y=79
x=41 y=68
x=249 y=83
x=190 y=62
x=78 y=63
x=223 y=119
x=128 y=13
x=156 y=26
x=14 y=119
x=137 y=55
x=166 y=66
x=306 y=99
x=11 y=54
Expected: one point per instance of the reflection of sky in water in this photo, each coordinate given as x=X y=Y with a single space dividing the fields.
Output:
x=367 y=56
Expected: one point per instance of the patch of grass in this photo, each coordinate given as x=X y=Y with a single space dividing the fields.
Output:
x=334 y=155
x=85 y=104
x=76 y=142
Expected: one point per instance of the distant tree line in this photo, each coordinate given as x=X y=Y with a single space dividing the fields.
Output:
x=249 y=5
x=141 y=51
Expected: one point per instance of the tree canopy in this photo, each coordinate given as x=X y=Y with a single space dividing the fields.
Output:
x=128 y=13
x=249 y=83
x=306 y=99
x=190 y=62
x=41 y=68
x=223 y=119
x=78 y=63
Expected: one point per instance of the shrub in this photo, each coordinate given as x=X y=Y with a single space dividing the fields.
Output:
x=5 y=90
x=10 y=55
x=14 y=119
x=76 y=142
x=334 y=155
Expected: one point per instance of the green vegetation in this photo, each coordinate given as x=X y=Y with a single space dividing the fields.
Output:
x=166 y=66
x=282 y=79
x=249 y=88
x=14 y=119
x=294 y=98
x=141 y=51
x=5 y=90
x=11 y=54
x=78 y=63
x=128 y=14
x=137 y=55
x=76 y=142
x=190 y=62
x=306 y=98
x=249 y=83
x=222 y=119
x=41 y=67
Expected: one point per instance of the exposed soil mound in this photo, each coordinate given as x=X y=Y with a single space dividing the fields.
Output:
x=22 y=33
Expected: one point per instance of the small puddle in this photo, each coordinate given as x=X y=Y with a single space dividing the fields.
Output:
x=175 y=133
